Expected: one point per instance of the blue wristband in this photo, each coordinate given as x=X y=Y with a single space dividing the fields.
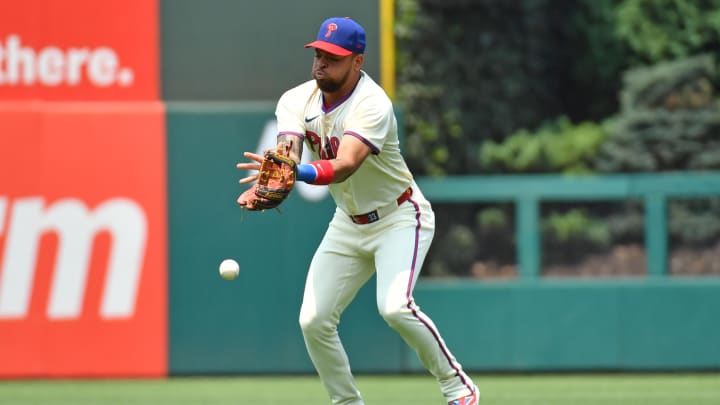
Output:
x=306 y=173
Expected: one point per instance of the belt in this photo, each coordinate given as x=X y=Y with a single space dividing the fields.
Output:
x=375 y=215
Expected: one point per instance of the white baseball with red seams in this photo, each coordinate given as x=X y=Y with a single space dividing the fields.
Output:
x=229 y=269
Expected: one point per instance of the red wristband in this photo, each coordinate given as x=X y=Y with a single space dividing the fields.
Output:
x=325 y=172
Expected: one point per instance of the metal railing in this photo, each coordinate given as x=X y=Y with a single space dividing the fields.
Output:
x=528 y=191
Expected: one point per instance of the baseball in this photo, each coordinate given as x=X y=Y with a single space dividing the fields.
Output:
x=229 y=269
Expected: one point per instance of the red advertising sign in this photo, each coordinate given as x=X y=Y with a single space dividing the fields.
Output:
x=79 y=50
x=83 y=279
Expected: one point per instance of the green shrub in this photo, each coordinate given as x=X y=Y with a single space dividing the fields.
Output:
x=670 y=120
x=558 y=146
x=577 y=224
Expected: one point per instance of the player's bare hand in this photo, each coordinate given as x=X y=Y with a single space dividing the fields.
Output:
x=250 y=166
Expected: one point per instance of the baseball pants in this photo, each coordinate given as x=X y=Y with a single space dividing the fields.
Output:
x=394 y=247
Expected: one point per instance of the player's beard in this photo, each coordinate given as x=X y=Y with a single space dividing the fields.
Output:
x=330 y=86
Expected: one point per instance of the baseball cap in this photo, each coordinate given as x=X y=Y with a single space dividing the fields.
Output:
x=340 y=36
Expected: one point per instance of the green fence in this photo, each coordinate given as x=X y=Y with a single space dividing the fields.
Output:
x=528 y=191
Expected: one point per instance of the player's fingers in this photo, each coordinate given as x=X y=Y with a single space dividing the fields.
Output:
x=248 y=179
x=248 y=166
x=253 y=156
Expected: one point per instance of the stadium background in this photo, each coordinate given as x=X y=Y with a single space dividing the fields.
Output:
x=162 y=124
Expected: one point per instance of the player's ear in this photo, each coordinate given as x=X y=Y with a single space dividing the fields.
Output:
x=358 y=61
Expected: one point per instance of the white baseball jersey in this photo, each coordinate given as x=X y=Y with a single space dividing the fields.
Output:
x=366 y=114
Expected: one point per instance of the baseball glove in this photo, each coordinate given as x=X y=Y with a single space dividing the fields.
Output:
x=276 y=179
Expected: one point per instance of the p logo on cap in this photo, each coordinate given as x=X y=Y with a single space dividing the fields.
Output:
x=332 y=27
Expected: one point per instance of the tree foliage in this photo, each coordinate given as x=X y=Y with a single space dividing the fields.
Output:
x=472 y=71
x=661 y=30
x=670 y=119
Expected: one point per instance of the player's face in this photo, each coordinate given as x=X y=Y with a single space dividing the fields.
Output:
x=332 y=72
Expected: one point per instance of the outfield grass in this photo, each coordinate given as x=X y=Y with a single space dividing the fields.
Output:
x=616 y=389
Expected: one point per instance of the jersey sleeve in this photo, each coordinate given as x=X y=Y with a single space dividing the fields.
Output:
x=372 y=122
x=289 y=116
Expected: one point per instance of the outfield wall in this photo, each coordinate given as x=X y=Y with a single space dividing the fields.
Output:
x=570 y=325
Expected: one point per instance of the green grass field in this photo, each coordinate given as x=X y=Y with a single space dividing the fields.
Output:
x=588 y=389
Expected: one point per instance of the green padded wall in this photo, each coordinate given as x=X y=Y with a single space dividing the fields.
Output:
x=644 y=324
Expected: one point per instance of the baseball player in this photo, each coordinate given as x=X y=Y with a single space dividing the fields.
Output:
x=382 y=222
